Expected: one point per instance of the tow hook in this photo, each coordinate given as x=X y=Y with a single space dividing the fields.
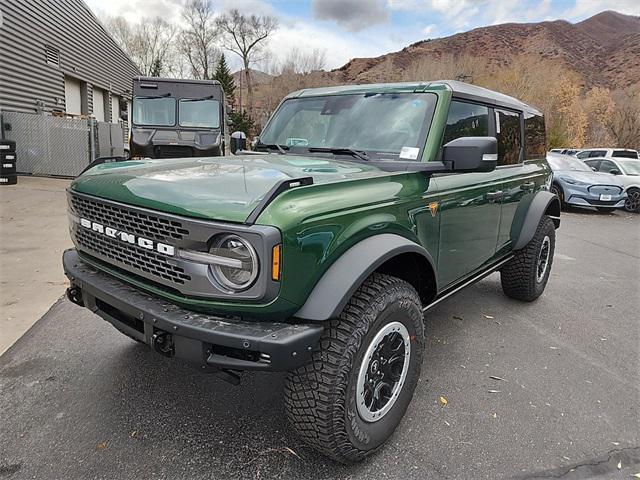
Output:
x=74 y=294
x=162 y=343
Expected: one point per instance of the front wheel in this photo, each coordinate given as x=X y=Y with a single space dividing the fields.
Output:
x=525 y=276
x=351 y=398
x=632 y=203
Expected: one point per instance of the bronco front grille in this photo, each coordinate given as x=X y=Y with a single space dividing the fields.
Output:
x=134 y=257
x=139 y=223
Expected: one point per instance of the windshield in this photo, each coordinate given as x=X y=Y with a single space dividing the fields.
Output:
x=630 y=167
x=567 y=163
x=154 y=111
x=203 y=113
x=378 y=123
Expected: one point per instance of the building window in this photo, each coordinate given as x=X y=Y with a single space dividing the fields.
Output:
x=98 y=104
x=52 y=55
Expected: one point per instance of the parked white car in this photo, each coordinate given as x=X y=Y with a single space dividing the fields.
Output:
x=607 y=152
x=627 y=171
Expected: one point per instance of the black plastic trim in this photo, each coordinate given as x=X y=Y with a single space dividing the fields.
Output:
x=530 y=211
x=342 y=279
x=276 y=190
x=195 y=335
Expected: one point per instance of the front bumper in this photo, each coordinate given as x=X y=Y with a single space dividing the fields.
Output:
x=207 y=340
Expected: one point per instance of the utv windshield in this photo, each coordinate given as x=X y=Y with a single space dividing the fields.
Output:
x=199 y=112
x=373 y=123
x=158 y=110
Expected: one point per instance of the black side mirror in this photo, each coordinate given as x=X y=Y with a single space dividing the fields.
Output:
x=471 y=154
x=238 y=142
x=614 y=171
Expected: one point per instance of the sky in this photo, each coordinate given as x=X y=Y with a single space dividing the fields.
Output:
x=368 y=28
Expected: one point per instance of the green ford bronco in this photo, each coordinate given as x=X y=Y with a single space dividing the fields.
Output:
x=319 y=252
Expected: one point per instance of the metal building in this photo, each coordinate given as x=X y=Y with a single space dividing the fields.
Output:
x=58 y=62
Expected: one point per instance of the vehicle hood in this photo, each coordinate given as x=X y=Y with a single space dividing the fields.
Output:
x=592 y=178
x=217 y=188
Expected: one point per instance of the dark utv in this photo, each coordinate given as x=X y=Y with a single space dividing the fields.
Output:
x=365 y=206
x=174 y=118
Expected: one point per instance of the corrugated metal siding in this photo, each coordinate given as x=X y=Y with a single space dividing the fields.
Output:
x=87 y=52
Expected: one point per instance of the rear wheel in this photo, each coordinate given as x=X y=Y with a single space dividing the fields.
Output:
x=632 y=203
x=525 y=276
x=351 y=398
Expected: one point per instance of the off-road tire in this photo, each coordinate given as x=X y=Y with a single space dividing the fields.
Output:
x=606 y=209
x=519 y=276
x=320 y=397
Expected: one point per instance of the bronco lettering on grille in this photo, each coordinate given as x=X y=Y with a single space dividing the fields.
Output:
x=128 y=237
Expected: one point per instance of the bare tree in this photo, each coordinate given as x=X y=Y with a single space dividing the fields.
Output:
x=244 y=36
x=303 y=62
x=148 y=43
x=197 y=41
x=624 y=122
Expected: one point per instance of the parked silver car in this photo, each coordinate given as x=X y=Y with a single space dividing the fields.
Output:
x=576 y=184
x=627 y=171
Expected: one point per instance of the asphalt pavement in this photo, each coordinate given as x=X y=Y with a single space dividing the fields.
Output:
x=78 y=400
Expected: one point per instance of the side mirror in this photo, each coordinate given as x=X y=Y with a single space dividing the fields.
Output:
x=238 y=142
x=594 y=169
x=471 y=154
x=614 y=171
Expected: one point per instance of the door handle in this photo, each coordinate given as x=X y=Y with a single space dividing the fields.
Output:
x=494 y=196
x=528 y=186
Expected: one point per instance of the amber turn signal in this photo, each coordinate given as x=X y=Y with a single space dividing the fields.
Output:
x=275 y=262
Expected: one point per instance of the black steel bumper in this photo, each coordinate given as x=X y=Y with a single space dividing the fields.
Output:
x=207 y=340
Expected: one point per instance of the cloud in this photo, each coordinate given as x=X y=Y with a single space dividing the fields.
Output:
x=586 y=8
x=353 y=15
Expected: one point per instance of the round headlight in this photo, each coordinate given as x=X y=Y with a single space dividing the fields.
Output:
x=243 y=268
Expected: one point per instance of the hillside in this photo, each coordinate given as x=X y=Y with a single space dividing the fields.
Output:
x=602 y=50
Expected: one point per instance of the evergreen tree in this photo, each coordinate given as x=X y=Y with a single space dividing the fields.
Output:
x=156 y=68
x=241 y=121
x=224 y=76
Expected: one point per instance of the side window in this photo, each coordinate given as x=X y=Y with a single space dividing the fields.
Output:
x=534 y=137
x=606 y=166
x=583 y=154
x=466 y=120
x=508 y=135
x=593 y=163
x=597 y=153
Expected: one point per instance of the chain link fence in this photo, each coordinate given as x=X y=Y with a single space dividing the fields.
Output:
x=60 y=146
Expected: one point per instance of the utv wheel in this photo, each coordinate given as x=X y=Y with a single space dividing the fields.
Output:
x=632 y=203
x=525 y=276
x=606 y=209
x=351 y=398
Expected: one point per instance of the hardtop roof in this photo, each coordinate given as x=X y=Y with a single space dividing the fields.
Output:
x=460 y=90
x=175 y=80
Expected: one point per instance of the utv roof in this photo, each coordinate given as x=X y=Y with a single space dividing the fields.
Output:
x=459 y=89
x=175 y=80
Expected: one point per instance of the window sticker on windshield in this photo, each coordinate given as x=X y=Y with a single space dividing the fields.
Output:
x=410 y=153
x=297 y=142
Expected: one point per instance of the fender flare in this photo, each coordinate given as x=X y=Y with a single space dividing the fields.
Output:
x=346 y=274
x=528 y=216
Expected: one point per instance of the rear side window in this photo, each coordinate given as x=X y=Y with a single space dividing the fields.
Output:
x=508 y=135
x=624 y=154
x=535 y=141
x=606 y=166
x=597 y=153
x=466 y=120
x=582 y=154
x=593 y=163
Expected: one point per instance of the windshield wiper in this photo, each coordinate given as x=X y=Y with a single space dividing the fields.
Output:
x=149 y=97
x=362 y=155
x=273 y=146
x=210 y=97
